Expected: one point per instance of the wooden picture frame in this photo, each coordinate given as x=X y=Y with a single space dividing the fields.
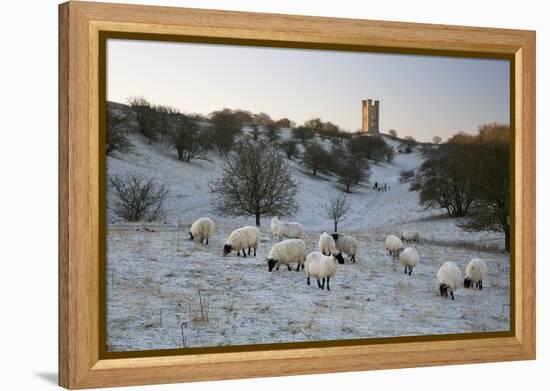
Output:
x=82 y=26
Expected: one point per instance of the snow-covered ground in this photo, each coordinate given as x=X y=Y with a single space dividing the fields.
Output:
x=161 y=271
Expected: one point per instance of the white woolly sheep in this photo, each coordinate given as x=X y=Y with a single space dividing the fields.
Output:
x=202 y=229
x=286 y=252
x=448 y=279
x=286 y=229
x=410 y=236
x=241 y=239
x=392 y=244
x=346 y=244
x=321 y=267
x=409 y=258
x=327 y=246
x=476 y=272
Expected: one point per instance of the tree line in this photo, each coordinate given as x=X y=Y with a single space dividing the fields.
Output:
x=469 y=176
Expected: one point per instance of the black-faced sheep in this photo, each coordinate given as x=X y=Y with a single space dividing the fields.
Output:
x=287 y=229
x=242 y=239
x=409 y=258
x=476 y=272
x=448 y=279
x=202 y=229
x=346 y=244
x=327 y=246
x=321 y=267
x=287 y=252
x=392 y=244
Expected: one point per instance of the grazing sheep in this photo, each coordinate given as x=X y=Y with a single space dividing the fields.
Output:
x=286 y=252
x=410 y=236
x=476 y=272
x=327 y=246
x=346 y=244
x=288 y=230
x=409 y=258
x=448 y=279
x=321 y=267
x=241 y=239
x=202 y=229
x=392 y=244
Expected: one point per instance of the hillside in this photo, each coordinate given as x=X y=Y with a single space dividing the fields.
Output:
x=160 y=269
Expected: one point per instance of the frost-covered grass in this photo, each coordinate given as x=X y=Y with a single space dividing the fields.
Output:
x=154 y=279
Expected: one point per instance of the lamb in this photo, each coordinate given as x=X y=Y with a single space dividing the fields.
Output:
x=392 y=244
x=241 y=239
x=202 y=229
x=288 y=230
x=409 y=258
x=327 y=246
x=346 y=244
x=448 y=279
x=286 y=252
x=410 y=236
x=321 y=267
x=476 y=272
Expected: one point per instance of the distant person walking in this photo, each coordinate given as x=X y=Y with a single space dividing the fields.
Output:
x=375 y=185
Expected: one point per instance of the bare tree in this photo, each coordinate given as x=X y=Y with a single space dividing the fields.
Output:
x=255 y=132
x=350 y=170
x=226 y=124
x=436 y=139
x=393 y=132
x=336 y=210
x=315 y=157
x=136 y=198
x=302 y=133
x=291 y=148
x=145 y=116
x=256 y=181
x=115 y=138
x=186 y=138
x=272 y=132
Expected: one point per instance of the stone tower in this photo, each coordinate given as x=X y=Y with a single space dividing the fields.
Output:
x=370 y=116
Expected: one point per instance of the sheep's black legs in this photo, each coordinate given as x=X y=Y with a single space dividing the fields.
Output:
x=248 y=250
x=405 y=270
x=254 y=251
x=318 y=283
x=328 y=283
x=323 y=284
x=288 y=266
x=206 y=240
x=410 y=270
x=298 y=267
x=480 y=285
x=239 y=253
x=244 y=253
x=308 y=282
x=452 y=295
x=303 y=266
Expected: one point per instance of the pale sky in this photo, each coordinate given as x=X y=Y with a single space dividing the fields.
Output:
x=421 y=96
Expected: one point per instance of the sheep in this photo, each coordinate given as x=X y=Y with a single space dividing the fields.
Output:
x=346 y=244
x=410 y=236
x=392 y=243
x=448 y=279
x=327 y=246
x=202 y=229
x=286 y=252
x=409 y=258
x=241 y=239
x=288 y=230
x=476 y=271
x=321 y=267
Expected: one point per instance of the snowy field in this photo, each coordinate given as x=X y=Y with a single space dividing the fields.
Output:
x=157 y=278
